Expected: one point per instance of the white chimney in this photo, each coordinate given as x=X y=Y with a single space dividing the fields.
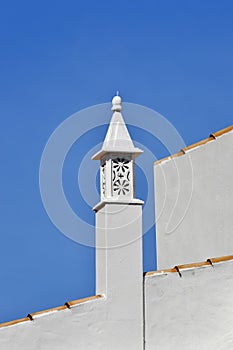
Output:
x=119 y=269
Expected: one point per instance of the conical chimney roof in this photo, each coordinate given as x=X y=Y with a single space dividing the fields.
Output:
x=117 y=139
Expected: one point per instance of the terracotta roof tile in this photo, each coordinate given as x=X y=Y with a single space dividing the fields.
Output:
x=170 y=157
x=83 y=300
x=33 y=315
x=221 y=259
x=53 y=309
x=11 y=323
x=197 y=264
x=177 y=268
x=160 y=271
x=184 y=150
x=221 y=132
x=199 y=143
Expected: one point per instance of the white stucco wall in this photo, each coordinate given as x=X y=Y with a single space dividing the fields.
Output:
x=192 y=312
x=75 y=328
x=91 y=325
x=194 y=212
x=119 y=272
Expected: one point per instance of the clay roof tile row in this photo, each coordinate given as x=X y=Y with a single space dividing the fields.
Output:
x=208 y=262
x=70 y=304
x=32 y=316
x=184 y=150
x=176 y=269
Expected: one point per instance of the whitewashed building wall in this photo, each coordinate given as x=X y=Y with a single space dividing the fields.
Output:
x=193 y=200
x=192 y=312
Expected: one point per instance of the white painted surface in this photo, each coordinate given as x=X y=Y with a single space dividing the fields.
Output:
x=194 y=312
x=98 y=324
x=195 y=224
x=117 y=139
x=119 y=272
x=74 y=328
x=117 y=161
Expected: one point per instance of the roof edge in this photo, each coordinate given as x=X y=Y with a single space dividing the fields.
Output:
x=212 y=137
x=11 y=323
x=177 y=268
x=67 y=305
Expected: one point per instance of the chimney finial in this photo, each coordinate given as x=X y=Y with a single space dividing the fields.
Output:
x=116 y=103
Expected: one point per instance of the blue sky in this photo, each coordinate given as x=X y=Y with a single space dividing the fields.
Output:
x=59 y=57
